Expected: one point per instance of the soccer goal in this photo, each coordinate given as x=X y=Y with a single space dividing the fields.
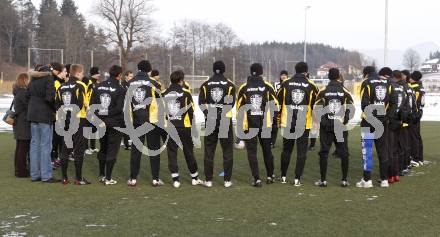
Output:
x=44 y=56
x=195 y=81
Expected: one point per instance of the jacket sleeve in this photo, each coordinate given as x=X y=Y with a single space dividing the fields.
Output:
x=190 y=103
x=349 y=103
x=313 y=94
x=233 y=92
x=50 y=92
x=202 y=95
x=241 y=96
x=365 y=94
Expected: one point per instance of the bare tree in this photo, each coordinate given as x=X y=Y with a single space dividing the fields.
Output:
x=411 y=59
x=130 y=23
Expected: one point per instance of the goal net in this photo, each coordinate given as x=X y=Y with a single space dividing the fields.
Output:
x=38 y=56
x=195 y=81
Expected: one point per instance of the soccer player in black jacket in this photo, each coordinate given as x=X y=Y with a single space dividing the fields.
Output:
x=284 y=75
x=416 y=137
x=257 y=95
x=296 y=97
x=145 y=88
x=180 y=114
x=337 y=105
x=109 y=95
x=216 y=93
x=73 y=92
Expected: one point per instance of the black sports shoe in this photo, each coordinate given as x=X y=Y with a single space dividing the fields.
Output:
x=51 y=181
x=257 y=183
x=83 y=181
x=269 y=180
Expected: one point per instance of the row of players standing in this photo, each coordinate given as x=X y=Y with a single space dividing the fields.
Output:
x=294 y=93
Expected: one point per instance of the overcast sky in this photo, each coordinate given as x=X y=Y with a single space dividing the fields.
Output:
x=353 y=24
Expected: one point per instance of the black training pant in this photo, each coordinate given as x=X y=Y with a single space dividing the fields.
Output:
x=227 y=149
x=274 y=132
x=416 y=142
x=153 y=138
x=78 y=149
x=188 y=152
x=393 y=152
x=302 y=143
x=405 y=148
x=22 y=158
x=57 y=144
x=251 y=147
x=92 y=140
x=109 y=148
x=326 y=139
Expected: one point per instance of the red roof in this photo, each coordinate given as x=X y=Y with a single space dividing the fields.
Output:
x=329 y=65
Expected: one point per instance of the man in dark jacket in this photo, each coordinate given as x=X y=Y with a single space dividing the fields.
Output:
x=180 y=114
x=375 y=93
x=296 y=97
x=109 y=95
x=216 y=93
x=73 y=92
x=257 y=95
x=338 y=107
x=416 y=137
x=145 y=88
x=41 y=114
x=59 y=76
x=91 y=82
x=284 y=75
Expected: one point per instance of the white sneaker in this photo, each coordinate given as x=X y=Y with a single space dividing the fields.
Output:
x=364 y=184
x=421 y=163
x=297 y=183
x=131 y=182
x=157 y=183
x=101 y=179
x=384 y=184
x=283 y=180
x=195 y=182
x=110 y=182
x=228 y=184
x=321 y=183
x=176 y=184
x=89 y=152
x=344 y=184
x=207 y=184
x=96 y=150
x=414 y=163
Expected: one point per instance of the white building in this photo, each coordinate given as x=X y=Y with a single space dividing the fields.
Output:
x=432 y=65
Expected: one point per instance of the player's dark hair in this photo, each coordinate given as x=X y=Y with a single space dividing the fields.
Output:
x=115 y=71
x=177 y=76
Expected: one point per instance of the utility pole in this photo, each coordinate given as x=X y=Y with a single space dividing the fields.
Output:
x=385 y=53
x=305 y=32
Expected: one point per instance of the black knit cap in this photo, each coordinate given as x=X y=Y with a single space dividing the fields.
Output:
x=94 y=71
x=256 y=69
x=45 y=68
x=333 y=74
x=284 y=72
x=219 y=67
x=386 y=72
x=144 y=66
x=416 y=76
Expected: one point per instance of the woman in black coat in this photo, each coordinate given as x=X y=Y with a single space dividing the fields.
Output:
x=21 y=127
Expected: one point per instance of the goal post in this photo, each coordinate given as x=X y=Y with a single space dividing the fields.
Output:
x=44 y=56
x=195 y=82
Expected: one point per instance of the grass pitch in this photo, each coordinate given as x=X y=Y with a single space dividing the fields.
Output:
x=408 y=208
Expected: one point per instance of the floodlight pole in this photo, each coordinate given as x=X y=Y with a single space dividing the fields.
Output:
x=385 y=53
x=305 y=32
